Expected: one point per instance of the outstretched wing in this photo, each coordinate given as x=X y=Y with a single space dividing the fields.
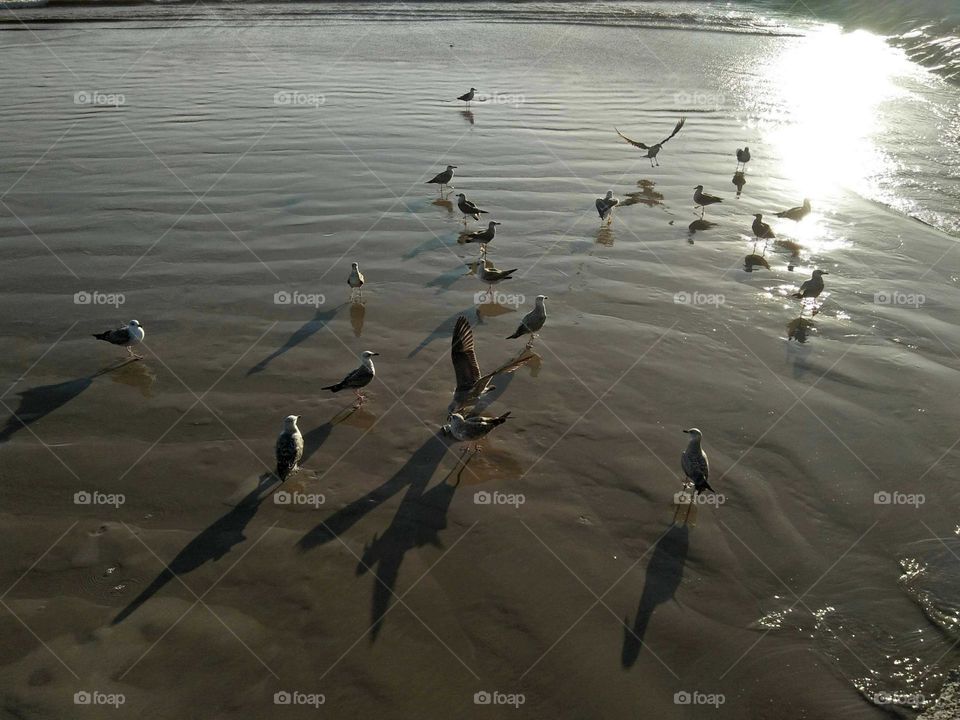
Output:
x=633 y=142
x=463 y=355
x=676 y=129
x=602 y=207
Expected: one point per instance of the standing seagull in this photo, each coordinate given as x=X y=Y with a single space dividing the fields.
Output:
x=443 y=178
x=470 y=383
x=473 y=429
x=358 y=378
x=483 y=236
x=468 y=208
x=653 y=150
x=605 y=206
x=702 y=199
x=532 y=321
x=796 y=213
x=811 y=288
x=696 y=468
x=468 y=96
x=356 y=280
x=289 y=448
x=490 y=275
x=760 y=229
x=743 y=157
x=126 y=337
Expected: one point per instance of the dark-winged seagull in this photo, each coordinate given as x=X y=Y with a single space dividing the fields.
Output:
x=743 y=157
x=470 y=383
x=532 y=321
x=355 y=279
x=760 y=229
x=289 y=448
x=443 y=178
x=125 y=337
x=483 y=236
x=468 y=96
x=474 y=428
x=654 y=150
x=695 y=467
x=358 y=378
x=605 y=206
x=796 y=213
x=469 y=209
x=490 y=275
x=702 y=199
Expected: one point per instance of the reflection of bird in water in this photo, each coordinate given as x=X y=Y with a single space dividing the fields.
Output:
x=468 y=96
x=470 y=383
x=359 y=378
x=743 y=157
x=646 y=196
x=490 y=275
x=739 y=179
x=135 y=374
x=289 y=448
x=483 y=236
x=698 y=225
x=791 y=247
x=811 y=289
x=468 y=208
x=605 y=236
x=532 y=321
x=753 y=261
x=473 y=429
x=796 y=213
x=654 y=150
x=760 y=229
x=125 y=337
x=444 y=203
x=702 y=199
x=468 y=116
x=355 y=280
x=443 y=179
x=605 y=206
x=695 y=466
x=358 y=312
x=797 y=329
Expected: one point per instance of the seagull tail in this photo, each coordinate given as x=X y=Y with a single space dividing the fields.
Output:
x=102 y=336
x=517 y=334
x=799 y=296
x=501 y=420
x=334 y=388
x=706 y=486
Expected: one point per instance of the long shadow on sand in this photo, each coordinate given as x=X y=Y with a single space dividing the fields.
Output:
x=38 y=402
x=444 y=329
x=664 y=572
x=305 y=331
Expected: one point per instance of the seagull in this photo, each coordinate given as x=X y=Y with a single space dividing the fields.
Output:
x=443 y=178
x=468 y=96
x=356 y=279
x=289 y=448
x=796 y=213
x=695 y=466
x=532 y=321
x=702 y=199
x=743 y=157
x=126 y=337
x=468 y=208
x=761 y=229
x=358 y=378
x=813 y=287
x=483 y=236
x=473 y=429
x=606 y=204
x=470 y=383
x=490 y=275
x=653 y=150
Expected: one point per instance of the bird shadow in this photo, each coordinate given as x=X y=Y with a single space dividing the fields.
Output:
x=358 y=311
x=433 y=243
x=468 y=116
x=212 y=544
x=739 y=179
x=444 y=329
x=663 y=576
x=698 y=225
x=319 y=321
x=645 y=196
x=37 y=402
x=446 y=280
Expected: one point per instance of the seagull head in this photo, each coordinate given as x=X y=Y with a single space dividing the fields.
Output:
x=818 y=273
x=354 y=265
x=451 y=167
x=694 y=433
x=541 y=298
x=290 y=422
x=609 y=194
x=806 y=203
x=367 y=354
x=493 y=223
x=758 y=216
x=135 y=323
x=699 y=187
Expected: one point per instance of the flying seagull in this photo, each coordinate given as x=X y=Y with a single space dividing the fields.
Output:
x=470 y=383
x=653 y=150
x=743 y=157
x=356 y=279
x=443 y=178
x=490 y=275
x=358 y=378
x=702 y=199
x=483 y=236
x=796 y=213
x=468 y=96
x=473 y=429
x=126 y=337
x=468 y=208
x=532 y=321
x=605 y=206
x=289 y=448
x=761 y=229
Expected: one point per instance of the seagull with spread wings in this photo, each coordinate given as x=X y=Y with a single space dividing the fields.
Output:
x=470 y=383
x=654 y=150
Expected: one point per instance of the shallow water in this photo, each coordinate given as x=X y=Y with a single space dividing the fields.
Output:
x=199 y=197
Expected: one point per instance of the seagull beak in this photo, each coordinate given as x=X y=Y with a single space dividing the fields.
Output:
x=824 y=272
x=686 y=431
x=376 y=353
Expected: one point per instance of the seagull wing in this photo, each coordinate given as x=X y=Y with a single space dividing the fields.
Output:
x=464 y=356
x=358 y=378
x=633 y=142
x=602 y=207
x=676 y=129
